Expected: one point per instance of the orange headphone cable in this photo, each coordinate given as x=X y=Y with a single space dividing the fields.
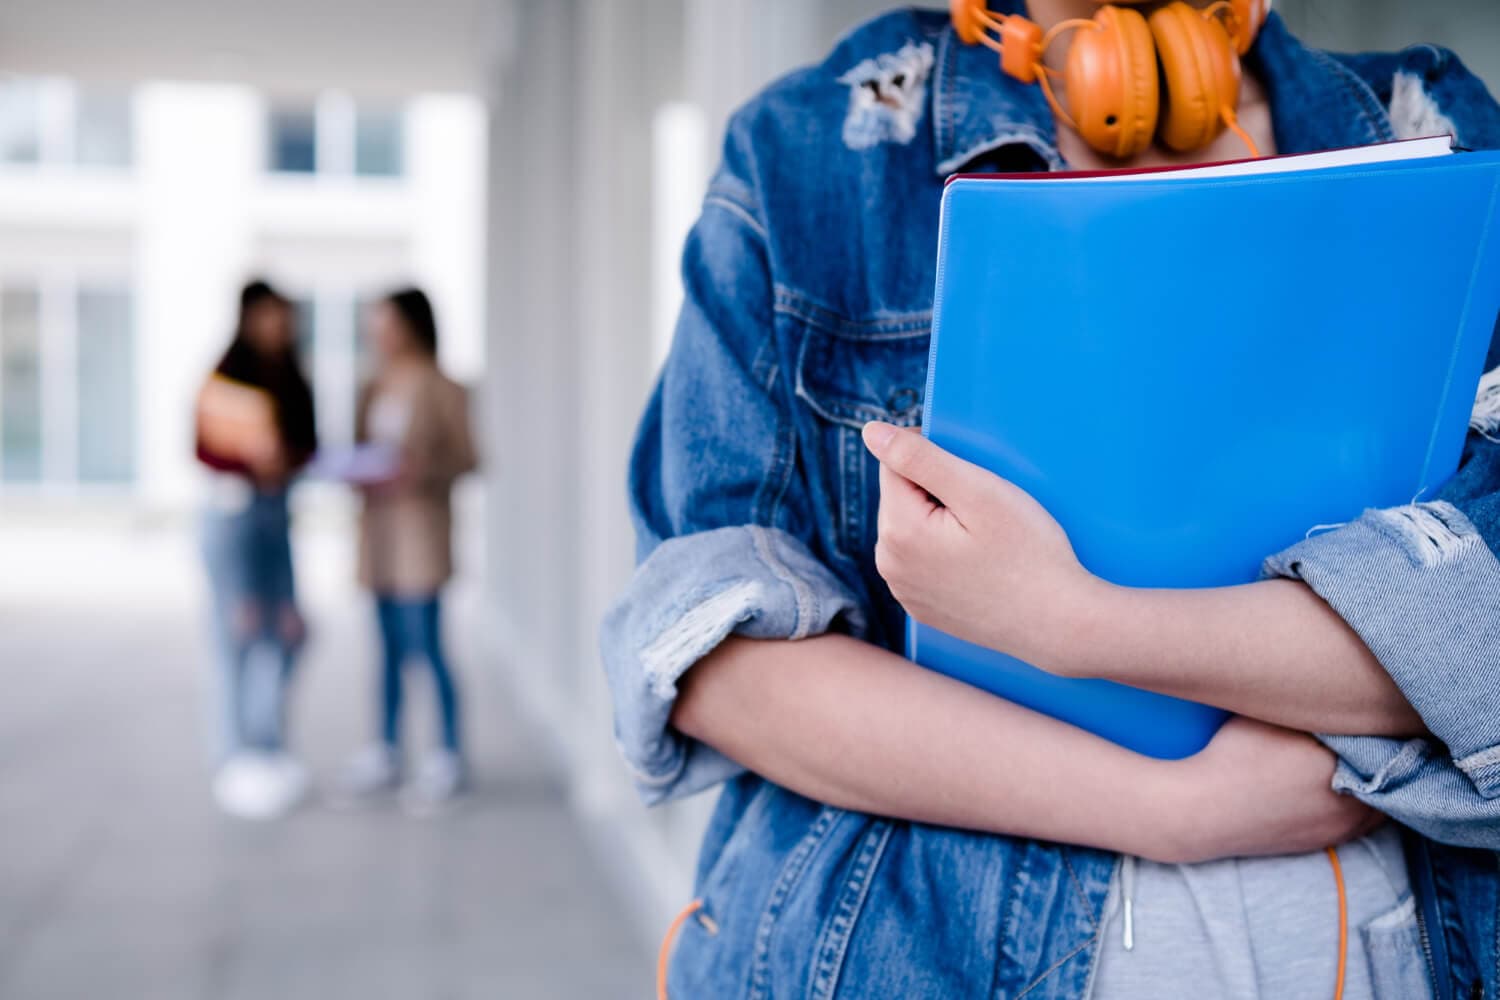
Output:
x=1042 y=69
x=997 y=25
x=984 y=17
x=992 y=44
x=1338 y=881
x=1232 y=122
x=1057 y=108
x=1068 y=25
x=664 y=956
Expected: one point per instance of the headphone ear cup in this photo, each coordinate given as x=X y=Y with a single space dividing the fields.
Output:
x=1112 y=83
x=1201 y=75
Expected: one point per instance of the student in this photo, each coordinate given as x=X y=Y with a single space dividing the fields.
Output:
x=870 y=837
x=405 y=539
x=255 y=429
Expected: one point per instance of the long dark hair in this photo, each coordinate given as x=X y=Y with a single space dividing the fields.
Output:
x=415 y=310
x=280 y=374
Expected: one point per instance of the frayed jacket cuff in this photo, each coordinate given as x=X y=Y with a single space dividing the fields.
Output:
x=691 y=594
x=1416 y=783
x=1422 y=589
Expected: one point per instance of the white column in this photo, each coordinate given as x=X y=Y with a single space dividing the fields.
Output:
x=576 y=289
x=614 y=238
x=531 y=399
x=196 y=147
x=445 y=168
x=735 y=47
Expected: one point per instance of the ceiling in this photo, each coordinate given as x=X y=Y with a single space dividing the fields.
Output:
x=375 y=47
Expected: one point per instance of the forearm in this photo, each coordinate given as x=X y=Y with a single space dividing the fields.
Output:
x=1271 y=650
x=847 y=723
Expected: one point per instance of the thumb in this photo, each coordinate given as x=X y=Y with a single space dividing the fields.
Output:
x=911 y=456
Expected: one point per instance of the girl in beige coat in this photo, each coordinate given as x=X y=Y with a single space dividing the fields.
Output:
x=421 y=417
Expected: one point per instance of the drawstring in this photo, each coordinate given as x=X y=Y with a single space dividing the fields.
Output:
x=1127 y=896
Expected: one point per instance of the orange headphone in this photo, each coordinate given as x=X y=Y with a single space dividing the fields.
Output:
x=1128 y=77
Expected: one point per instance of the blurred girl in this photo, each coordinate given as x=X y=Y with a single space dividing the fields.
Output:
x=411 y=408
x=255 y=430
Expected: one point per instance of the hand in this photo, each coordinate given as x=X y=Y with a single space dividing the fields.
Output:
x=399 y=481
x=969 y=553
x=267 y=460
x=1256 y=790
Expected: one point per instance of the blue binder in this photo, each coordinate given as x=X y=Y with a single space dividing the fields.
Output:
x=1190 y=372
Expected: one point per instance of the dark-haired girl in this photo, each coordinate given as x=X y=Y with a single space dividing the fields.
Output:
x=255 y=429
x=421 y=416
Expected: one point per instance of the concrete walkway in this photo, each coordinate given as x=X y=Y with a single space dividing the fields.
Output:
x=118 y=878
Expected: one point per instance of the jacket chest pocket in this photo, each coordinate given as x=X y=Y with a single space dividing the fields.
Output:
x=847 y=380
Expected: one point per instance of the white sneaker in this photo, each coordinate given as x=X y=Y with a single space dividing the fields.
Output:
x=258 y=786
x=292 y=774
x=439 y=779
x=373 y=771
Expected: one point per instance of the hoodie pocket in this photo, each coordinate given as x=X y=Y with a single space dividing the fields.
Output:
x=1393 y=945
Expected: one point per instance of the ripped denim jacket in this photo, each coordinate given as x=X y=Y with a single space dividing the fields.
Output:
x=809 y=282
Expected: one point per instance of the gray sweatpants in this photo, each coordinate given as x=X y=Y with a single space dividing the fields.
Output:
x=1265 y=929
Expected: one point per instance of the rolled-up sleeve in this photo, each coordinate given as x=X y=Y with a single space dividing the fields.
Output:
x=685 y=599
x=1420 y=584
x=723 y=524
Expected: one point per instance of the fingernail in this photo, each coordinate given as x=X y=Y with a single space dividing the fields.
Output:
x=878 y=435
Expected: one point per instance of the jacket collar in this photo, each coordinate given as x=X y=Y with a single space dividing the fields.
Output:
x=1318 y=103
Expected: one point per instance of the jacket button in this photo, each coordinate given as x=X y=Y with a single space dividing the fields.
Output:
x=903 y=401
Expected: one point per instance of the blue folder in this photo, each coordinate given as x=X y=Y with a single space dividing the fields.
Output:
x=1190 y=373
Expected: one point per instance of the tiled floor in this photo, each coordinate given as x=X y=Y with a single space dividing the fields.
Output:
x=119 y=879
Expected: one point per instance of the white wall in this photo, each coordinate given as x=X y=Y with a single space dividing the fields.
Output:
x=388 y=48
x=1469 y=27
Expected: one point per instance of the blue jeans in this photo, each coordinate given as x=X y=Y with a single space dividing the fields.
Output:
x=411 y=627
x=248 y=554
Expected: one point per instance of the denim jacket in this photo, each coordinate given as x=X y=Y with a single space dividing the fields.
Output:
x=809 y=282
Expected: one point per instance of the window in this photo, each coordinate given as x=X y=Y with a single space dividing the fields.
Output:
x=294 y=140
x=335 y=137
x=20 y=386
x=67 y=414
x=20 y=120
x=106 y=387
x=377 y=143
x=54 y=122
x=102 y=129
